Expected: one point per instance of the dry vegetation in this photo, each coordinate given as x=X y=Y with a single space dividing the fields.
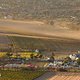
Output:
x=29 y=28
x=46 y=9
x=53 y=20
x=43 y=10
x=55 y=44
x=37 y=43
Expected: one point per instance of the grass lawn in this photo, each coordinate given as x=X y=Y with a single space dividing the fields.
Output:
x=19 y=75
x=22 y=54
x=2 y=54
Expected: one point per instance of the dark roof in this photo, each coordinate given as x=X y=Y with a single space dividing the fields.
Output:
x=78 y=55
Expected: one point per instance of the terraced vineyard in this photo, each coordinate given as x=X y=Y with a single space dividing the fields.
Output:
x=37 y=43
x=53 y=44
x=4 y=42
x=19 y=75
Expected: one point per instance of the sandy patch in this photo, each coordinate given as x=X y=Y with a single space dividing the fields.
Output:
x=37 y=28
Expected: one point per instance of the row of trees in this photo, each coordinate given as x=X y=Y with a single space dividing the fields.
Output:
x=40 y=56
x=68 y=59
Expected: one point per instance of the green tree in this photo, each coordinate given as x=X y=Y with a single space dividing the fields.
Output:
x=78 y=61
x=8 y=54
x=52 y=59
x=31 y=56
x=67 y=59
x=40 y=56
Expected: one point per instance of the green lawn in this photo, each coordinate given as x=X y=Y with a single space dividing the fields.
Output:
x=19 y=75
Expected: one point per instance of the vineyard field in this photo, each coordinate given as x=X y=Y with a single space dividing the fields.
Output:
x=37 y=43
x=19 y=75
x=48 y=44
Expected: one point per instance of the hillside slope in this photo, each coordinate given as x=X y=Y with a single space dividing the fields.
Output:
x=45 y=9
x=53 y=20
x=35 y=28
x=46 y=44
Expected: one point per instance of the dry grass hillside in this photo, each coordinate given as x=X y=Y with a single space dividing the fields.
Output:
x=56 y=23
x=39 y=9
x=34 y=34
x=36 y=28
